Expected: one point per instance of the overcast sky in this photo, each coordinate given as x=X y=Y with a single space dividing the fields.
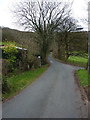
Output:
x=79 y=11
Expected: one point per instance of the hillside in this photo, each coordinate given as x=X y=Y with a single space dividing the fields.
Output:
x=23 y=39
x=78 y=40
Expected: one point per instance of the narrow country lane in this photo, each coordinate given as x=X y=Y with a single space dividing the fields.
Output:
x=54 y=95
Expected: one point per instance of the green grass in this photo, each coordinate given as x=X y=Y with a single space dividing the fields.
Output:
x=81 y=61
x=78 y=59
x=83 y=77
x=82 y=74
x=19 y=82
x=80 y=54
x=7 y=43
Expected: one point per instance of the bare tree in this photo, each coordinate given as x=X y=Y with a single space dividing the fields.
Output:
x=43 y=18
x=64 y=29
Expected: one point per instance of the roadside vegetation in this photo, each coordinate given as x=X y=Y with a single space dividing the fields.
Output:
x=82 y=74
x=18 y=82
x=19 y=67
x=83 y=77
x=77 y=60
x=84 y=80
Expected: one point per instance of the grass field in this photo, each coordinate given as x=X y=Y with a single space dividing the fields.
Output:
x=83 y=77
x=19 y=82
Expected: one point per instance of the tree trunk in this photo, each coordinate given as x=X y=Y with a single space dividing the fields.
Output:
x=67 y=52
x=59 y=53
x=66 y=46
x=43 y=59
x=43 y=56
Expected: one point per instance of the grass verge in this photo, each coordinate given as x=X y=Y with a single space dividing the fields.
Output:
x=19 y=82
x=83 y=77
x=79 y=61
x=84 y=83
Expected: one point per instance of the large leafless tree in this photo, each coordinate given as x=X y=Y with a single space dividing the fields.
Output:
x=67 y=26
x=42 y=18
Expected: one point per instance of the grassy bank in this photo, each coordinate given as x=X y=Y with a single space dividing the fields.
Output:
x=19 y=82
x=77 y=60
x=83 y=77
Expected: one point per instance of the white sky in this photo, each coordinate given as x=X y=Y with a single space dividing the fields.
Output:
x=79 y=11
